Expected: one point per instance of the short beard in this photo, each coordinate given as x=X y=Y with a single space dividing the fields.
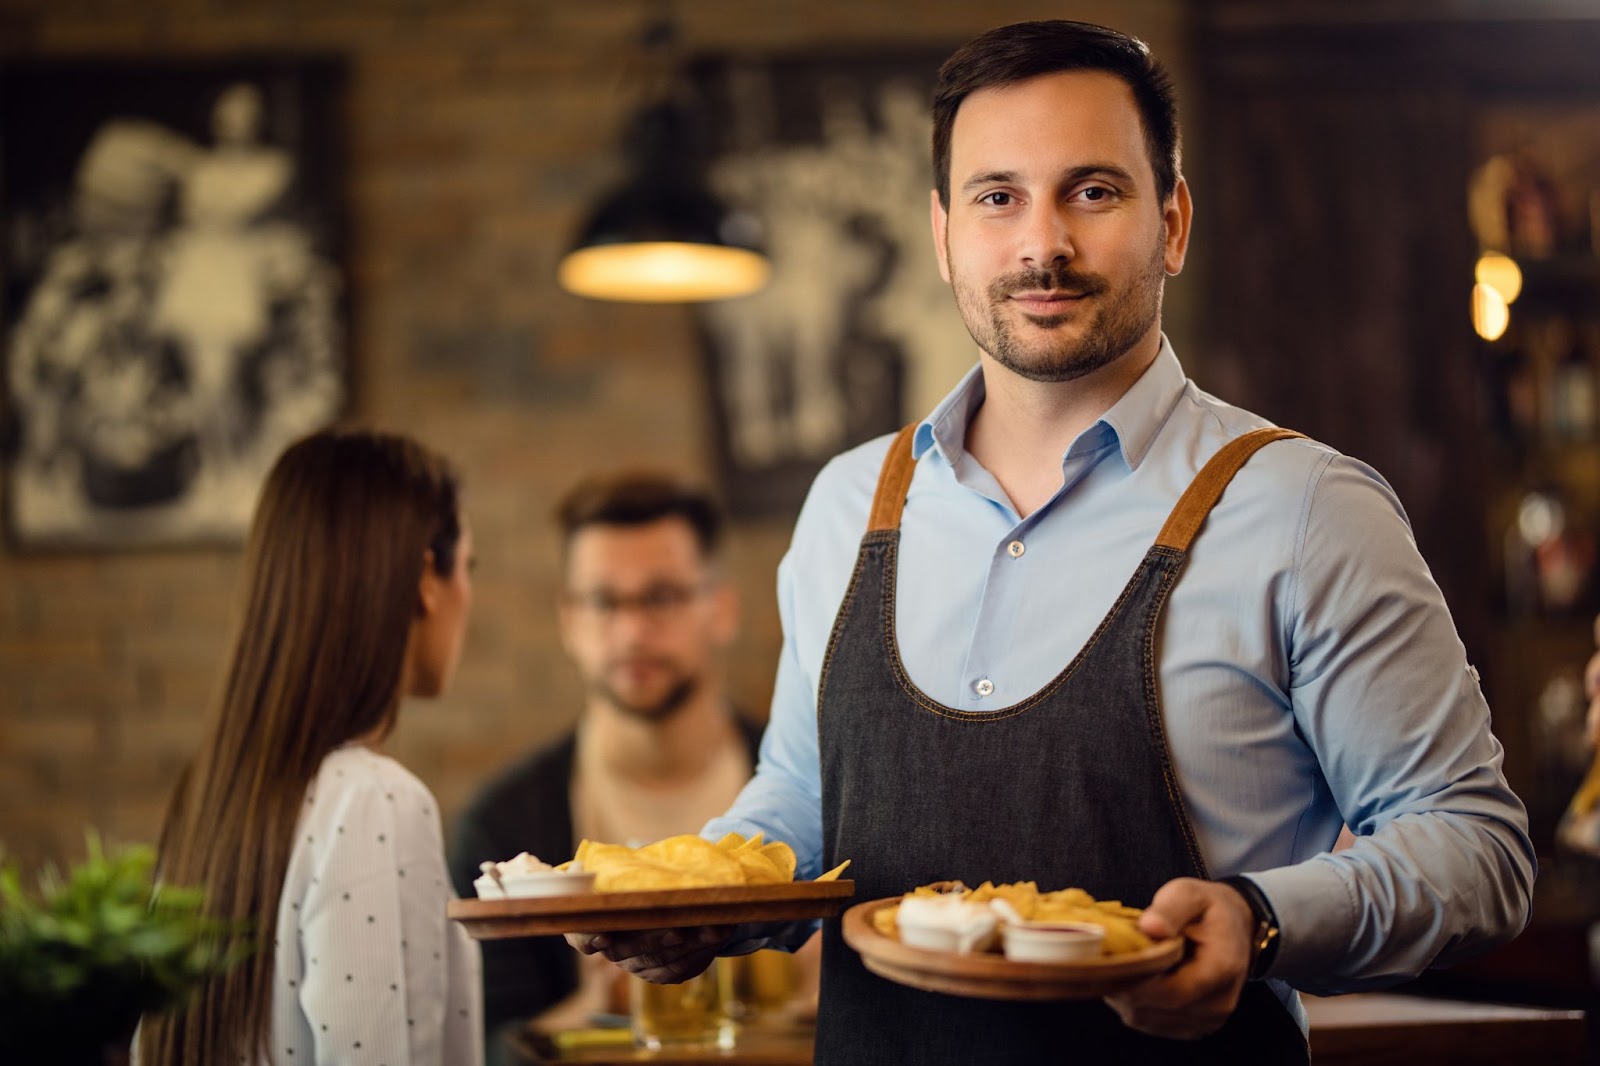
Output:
x=676 y=699
x=1114 y=329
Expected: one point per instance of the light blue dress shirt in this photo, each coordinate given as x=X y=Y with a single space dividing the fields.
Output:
x=1310 y=673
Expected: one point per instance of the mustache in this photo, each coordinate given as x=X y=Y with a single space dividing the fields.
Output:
x=1061 y=277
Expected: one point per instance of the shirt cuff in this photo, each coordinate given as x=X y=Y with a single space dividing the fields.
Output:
x=1315 y=914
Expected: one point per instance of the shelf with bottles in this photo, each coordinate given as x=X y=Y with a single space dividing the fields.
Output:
x=1541 y=385
x=1535 y=692
x=1545 y=543
x=1533 y=204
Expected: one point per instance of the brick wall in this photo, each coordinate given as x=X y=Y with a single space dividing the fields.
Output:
x=479 y=132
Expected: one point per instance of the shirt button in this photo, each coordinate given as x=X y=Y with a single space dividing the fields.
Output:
x=1016 y=549
x=983 y=687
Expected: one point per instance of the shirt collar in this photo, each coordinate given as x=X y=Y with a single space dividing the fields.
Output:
x=1133 y=420
x=1143 y=409
x=946 y=428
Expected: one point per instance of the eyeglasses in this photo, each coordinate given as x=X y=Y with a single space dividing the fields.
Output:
x=655 y=604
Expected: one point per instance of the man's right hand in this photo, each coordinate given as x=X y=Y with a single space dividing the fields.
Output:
x=660 y=956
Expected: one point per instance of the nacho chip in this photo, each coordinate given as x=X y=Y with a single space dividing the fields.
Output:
x=637 y=875
x=688 y=861
x=692 y=854
x=758 y=869
x=782 y=857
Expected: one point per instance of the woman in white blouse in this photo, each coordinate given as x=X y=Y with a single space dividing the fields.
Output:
x=357 y=594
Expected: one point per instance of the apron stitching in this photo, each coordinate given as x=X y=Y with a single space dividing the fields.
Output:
x=867 y=542
x=927 y=703
x=1158 y=730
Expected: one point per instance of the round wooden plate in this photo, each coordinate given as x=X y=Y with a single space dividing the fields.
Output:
x=676 y=908
x=993 y=976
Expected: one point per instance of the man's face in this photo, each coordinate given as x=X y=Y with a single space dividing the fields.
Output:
x=1055 y=241
x=644 y=615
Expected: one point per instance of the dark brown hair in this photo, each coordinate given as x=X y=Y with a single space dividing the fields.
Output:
x=1024 y=50
x=331 y=567
x=637 y=498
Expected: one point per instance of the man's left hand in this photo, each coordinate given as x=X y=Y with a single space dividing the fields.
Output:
x=1194 y=999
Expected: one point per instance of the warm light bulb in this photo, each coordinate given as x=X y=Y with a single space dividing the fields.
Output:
x=1500 y=273
x=662 y=272
x=1490 y=315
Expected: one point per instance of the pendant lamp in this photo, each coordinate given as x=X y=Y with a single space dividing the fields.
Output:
x=662 y=236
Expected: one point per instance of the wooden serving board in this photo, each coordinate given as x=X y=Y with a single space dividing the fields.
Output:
x=674 y=908
x=993 y=976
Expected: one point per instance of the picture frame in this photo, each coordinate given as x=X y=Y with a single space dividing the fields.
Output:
x=174 y=304
x=856 y=333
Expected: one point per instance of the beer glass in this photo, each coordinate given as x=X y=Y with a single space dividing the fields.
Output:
x=759 y=987
x=688 y=1014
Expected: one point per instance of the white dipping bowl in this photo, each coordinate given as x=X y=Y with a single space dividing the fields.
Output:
x=1053 y=941
x=546 y=883
x=488 y=888
x=944 y=924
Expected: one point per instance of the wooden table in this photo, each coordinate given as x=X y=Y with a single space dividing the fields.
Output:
x=1374 y=1029
x=790 y=1046
x=1370 y=1030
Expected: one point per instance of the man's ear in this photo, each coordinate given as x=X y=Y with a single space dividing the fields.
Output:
x=940 y=218
x=1177 y=216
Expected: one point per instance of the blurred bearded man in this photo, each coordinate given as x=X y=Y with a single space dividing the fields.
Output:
x=646 y=616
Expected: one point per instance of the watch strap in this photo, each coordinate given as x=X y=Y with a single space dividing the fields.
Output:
x=1265 y=935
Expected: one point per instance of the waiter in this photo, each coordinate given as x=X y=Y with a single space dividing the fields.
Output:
x=1087 y=625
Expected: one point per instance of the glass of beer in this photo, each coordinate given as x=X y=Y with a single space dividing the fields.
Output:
x=758 y=988
x=689 y=1014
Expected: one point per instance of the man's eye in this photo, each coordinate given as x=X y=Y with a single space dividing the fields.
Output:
x=1095 y=194
x=995 y=199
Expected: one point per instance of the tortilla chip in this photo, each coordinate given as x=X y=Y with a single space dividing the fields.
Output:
x=637 y=875
x=782 y=856
x=758 y=869
x=697 y=856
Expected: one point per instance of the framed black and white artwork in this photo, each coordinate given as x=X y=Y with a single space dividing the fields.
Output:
x=855 y=333
x=174 y=308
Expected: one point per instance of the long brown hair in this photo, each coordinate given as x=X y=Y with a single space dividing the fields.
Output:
x=331 y=571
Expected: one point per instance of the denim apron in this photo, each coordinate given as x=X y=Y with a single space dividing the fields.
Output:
x=1073 y=786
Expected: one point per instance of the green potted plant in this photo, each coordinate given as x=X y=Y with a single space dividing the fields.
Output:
x=87 y=953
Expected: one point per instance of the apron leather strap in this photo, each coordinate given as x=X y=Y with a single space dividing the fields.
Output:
x=1182 y=524
x=1202 y=495
x=893 y=482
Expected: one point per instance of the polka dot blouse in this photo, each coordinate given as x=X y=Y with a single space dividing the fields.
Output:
x=369 y=970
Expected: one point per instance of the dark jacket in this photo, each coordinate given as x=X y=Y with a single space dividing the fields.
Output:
x=527 y=808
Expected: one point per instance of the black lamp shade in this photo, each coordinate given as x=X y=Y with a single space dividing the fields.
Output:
x=662 y=236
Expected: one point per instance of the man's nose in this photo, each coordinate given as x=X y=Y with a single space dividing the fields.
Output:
x=1047 y=237
x=630 y=622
